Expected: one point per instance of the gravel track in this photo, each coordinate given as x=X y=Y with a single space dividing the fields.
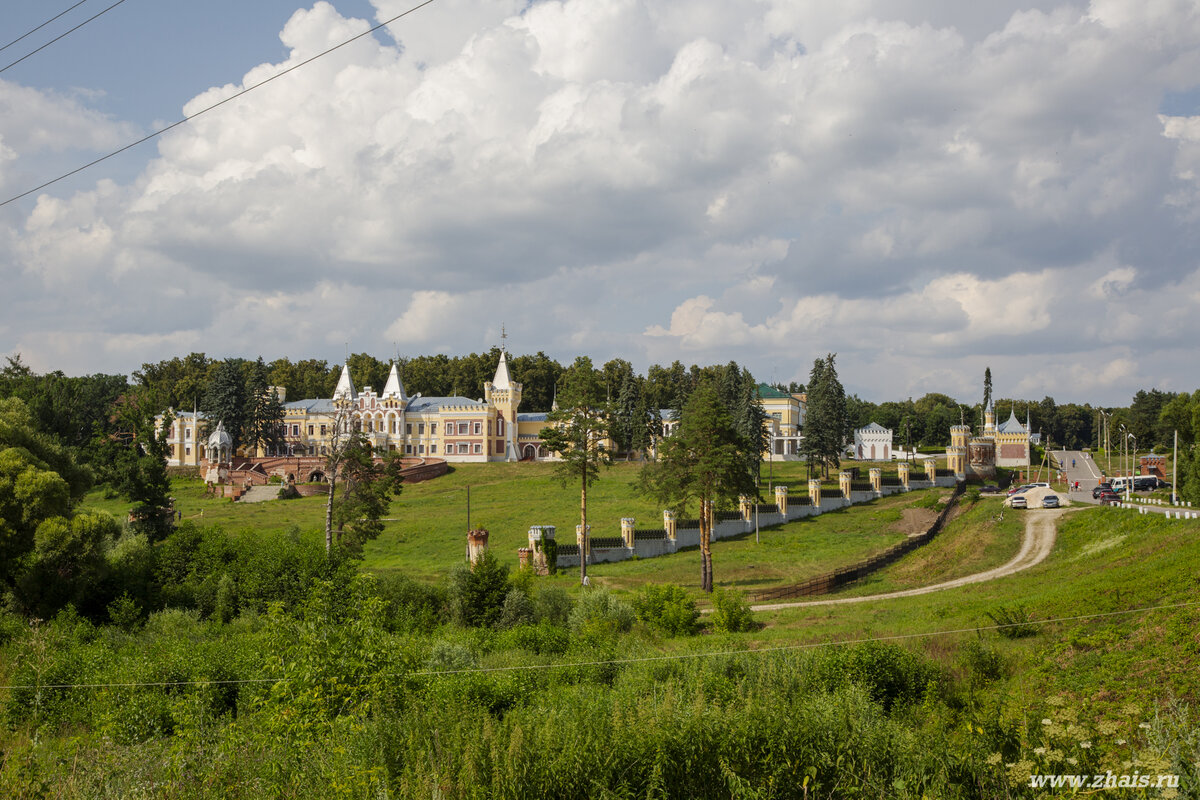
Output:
x=1040 y=530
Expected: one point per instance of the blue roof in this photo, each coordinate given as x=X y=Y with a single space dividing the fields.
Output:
x=312 y=406
x=1011 y=425
x=426 y=404
x=533 y=416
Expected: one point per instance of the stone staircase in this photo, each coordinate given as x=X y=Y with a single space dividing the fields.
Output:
x=260 y=494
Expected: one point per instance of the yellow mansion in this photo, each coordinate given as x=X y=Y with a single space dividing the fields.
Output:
x=450 y=428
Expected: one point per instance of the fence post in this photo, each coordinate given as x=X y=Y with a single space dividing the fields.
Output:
x=931 y=469
x=844 y=483
x=876 y=475
x=669 y=523
x=627 y=531
x=902 y=470
x=814 y=492
x=781 y=494
x=745 y=507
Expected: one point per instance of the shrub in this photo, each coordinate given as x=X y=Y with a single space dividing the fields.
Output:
x=410 y=605
x=731 y=612
x=552 y=604
x=1016 y=622
x=668 y=607
x=225 y=606
x=477 y=592
x=599 y=612
x=517 y=610
x=450 y=656
x=983 y=664
x=125 y=613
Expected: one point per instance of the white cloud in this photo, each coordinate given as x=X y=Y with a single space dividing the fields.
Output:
x=906 y=183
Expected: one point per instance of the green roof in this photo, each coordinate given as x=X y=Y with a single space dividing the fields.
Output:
x=766 y=392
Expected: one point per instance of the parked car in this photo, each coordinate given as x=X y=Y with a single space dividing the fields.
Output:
x=1018 y=501
x=1109 y=497
x=1025 y=487
x=989 y=488
x=1102 y=489
x=1050 y=501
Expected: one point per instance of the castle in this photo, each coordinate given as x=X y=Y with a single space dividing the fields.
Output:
x=449 y=428
x=1007 y=445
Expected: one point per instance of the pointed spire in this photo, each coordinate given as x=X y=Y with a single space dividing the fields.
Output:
x=345 y=386
x=554 y=404
x=394 y=387
x=501 y=381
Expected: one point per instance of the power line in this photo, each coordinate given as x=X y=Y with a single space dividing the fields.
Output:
x=39 y=27
x=613 y=661
x=217 y=104
x=60 y=36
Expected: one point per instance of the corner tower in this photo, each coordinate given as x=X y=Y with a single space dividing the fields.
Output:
x=505 y=396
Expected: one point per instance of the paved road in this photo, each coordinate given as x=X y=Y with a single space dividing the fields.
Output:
x=1040 y=530
x=1079 y=466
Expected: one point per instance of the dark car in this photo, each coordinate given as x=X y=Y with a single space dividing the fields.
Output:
x=989 y=488
x=1102 y=489
x=1109 y=497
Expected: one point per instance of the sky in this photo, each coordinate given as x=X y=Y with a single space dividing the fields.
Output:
x=925 y=187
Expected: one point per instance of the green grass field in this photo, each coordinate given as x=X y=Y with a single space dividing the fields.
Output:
x=1104 y=560
x=425 y=532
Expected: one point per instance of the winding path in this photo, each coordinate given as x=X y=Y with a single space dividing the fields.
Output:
x=1040 y=530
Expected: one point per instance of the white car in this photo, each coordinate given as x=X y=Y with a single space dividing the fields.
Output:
x=1018 y=501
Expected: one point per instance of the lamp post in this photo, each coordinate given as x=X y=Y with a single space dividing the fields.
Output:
x=1132 y=458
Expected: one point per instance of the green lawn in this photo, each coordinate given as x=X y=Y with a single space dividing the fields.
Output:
x=975 y=540
x=425 y=530
x=787 y=554
x=1104 y=560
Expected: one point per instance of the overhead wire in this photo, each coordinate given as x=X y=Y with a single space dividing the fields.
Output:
x=39 y=27
x=61 y=35
x=635 y=660
x=215 y=105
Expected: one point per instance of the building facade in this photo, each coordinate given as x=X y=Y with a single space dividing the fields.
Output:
x=449 y=428
x=873 y=443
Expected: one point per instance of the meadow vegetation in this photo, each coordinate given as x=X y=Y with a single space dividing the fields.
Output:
x=233 y=659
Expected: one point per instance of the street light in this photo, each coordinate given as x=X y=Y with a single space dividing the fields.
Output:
x=1132 y=456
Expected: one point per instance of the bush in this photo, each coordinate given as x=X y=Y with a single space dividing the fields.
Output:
x=477 y=592
x=599 y=612
x=552 y=605
x=731 y=612
x=410 y=605
x=668 y=607
x=1016 y=622
x=517 y=610
x=125 y=613
x=983 y=664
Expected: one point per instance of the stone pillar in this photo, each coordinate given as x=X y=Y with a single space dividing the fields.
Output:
x=844 y=483
x=931 y=469
x=627 y=531
x=669 y=523
x=476 y=544
x=526 y=557
x=746 y=507
x=781 y=499
x=584 y=552
x=902 y=469
x=876 y=479
x=814 y=492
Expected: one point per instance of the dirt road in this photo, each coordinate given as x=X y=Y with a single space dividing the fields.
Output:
x=1040 y=530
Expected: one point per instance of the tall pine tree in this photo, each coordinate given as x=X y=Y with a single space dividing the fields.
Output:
x=225 y=399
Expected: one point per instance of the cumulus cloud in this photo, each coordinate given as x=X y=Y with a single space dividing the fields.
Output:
x=906 y=183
